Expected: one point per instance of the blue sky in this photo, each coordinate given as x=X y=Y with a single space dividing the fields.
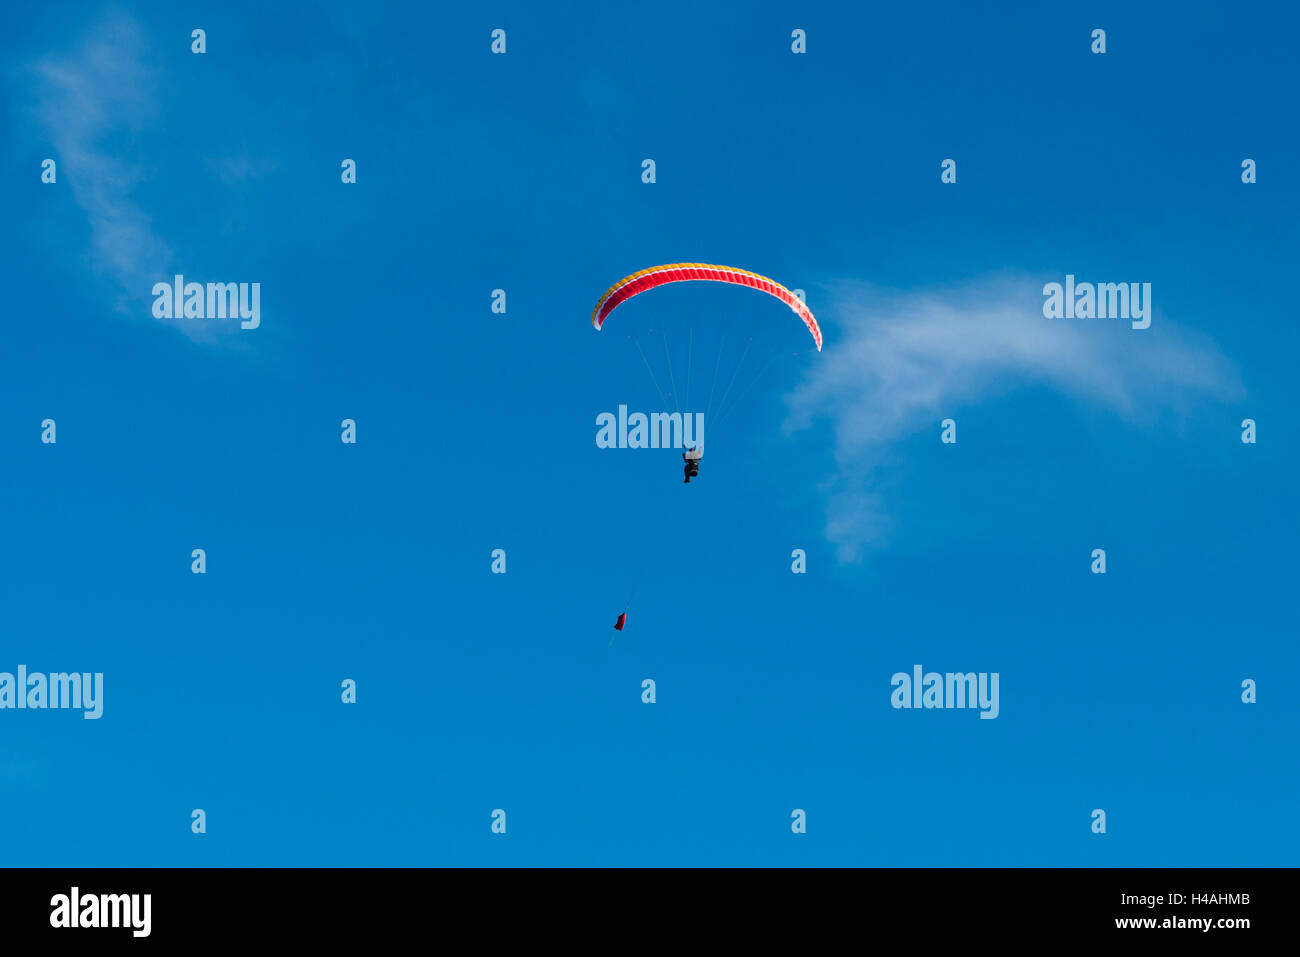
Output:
x=475 y=431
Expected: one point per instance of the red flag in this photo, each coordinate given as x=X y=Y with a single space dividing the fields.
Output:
x=622 y=620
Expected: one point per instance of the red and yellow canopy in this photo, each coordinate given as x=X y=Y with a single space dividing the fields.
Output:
x=639 y=282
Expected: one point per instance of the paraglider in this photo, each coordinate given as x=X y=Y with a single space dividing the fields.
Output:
x=692 y=460
x=639 y=282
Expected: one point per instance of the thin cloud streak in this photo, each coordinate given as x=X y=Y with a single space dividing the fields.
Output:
x=87 y=103
x=902 y=361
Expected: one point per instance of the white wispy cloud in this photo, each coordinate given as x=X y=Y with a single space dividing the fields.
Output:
x=88 y=103
x=902 y=361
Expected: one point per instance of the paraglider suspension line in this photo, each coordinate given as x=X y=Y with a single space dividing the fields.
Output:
x=671 y=382
x=690 y=349
x=743 y=392
x=723 y=401
x=652 y=373
x=714 y=384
